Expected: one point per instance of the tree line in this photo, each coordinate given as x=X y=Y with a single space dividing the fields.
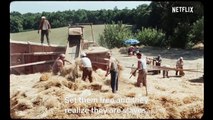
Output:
x=180 y=29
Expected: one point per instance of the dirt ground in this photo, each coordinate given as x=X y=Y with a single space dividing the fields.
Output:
x=57 y=97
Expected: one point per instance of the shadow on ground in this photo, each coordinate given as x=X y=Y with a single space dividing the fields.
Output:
x=197 y=80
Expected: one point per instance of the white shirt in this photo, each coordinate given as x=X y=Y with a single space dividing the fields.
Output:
x=86 y=62
x=114 y=64
x=45 y=25
x=179 y=63
x=143 y=63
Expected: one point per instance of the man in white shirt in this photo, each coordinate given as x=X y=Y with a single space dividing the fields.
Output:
x=112 y=68
x=87 y=67
x=142 y=70
x=158 y=61
x=45 y=29
x=179 y=65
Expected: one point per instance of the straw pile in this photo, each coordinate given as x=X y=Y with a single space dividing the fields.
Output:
x=49 y=100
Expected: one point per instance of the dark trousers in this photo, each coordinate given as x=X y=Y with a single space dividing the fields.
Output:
x=87 y=72
x=114 y=80
x=180 y=72
x=158 y=64
x=45 y=32
x=165 y=73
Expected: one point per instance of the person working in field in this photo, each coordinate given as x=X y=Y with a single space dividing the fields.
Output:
x=59 y=64
x=130 y=50
x=142 y=70
x=87 y=67
x=158 y=61
x=112 y=68
x=45 y=27
x=166 y=72
x=179 y=65
x=136 y=50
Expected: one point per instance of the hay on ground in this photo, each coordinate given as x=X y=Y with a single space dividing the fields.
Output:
x=44 y=76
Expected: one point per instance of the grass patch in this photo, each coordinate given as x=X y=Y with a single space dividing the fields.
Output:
x=57 y=35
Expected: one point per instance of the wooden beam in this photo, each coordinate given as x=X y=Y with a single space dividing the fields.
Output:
x=92 y=33
x=151 y=67
x=83 y=23
x=34 y=43
x=100 y=63
x=30 y=64
x=37 y=53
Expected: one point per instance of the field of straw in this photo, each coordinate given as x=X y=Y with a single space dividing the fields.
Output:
x=42 y=95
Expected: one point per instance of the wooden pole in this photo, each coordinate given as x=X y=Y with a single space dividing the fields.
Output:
x=167 y=68
x=29 y=47
x=146 y=90
x=92 y=33
x=36 y=53
x=30 y=64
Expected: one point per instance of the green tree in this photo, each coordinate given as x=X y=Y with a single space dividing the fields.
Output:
x=14 y=13
x=80 y=16
x=141 y=16
x=37 y=19
x=196 y=33
x=180 y=38
x=16 y=24
x=170 y=22
x=28 y=21
x=151 y=37
x=114 y=35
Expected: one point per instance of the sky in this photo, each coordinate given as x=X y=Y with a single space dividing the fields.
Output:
x=54 y=6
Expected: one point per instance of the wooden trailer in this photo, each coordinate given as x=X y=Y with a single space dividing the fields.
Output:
x=27 y=57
